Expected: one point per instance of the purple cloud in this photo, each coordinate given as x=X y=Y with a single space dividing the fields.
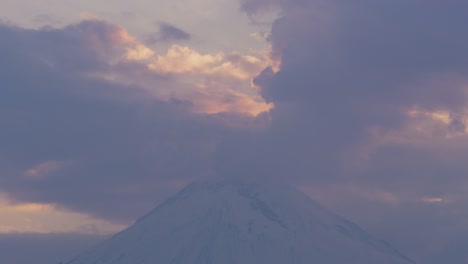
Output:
x=371 y=95
x=168 y=32
x=118 y=150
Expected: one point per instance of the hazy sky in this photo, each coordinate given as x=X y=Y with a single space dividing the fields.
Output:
x=106 y=109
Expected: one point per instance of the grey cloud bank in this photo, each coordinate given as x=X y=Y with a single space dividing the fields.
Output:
x=106 y=139
x=43 y=248
x=351 y=77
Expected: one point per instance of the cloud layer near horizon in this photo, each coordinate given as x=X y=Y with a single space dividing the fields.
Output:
x=370 y=113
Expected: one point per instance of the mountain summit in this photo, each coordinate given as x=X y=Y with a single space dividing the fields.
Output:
x=233 y=222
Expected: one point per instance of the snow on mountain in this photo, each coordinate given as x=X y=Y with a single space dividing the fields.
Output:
x=233 y=222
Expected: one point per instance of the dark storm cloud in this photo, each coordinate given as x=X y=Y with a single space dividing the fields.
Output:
x=81 y=141
x=348 y=67
x=350 y=73
x=168 y=32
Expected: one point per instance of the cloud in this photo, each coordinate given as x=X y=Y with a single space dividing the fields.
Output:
x=43 y=248
x=348 y=69
x=369 y=102
x=78 y=132
x=253 y=7
x=168 y=33
x=183 y=59
x=454 y=252
x=214 y=82
x=47 y=218
x=43 y=169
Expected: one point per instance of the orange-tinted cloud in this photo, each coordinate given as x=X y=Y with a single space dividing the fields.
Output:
x=47 y=218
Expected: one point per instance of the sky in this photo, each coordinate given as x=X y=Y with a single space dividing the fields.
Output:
x=106 y=110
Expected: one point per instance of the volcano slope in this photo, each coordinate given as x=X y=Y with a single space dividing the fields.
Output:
x=233 y=222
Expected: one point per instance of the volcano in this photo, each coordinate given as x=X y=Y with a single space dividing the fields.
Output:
x=234 y=222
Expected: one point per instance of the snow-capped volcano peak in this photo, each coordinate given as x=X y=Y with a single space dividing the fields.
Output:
x=224 y=222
